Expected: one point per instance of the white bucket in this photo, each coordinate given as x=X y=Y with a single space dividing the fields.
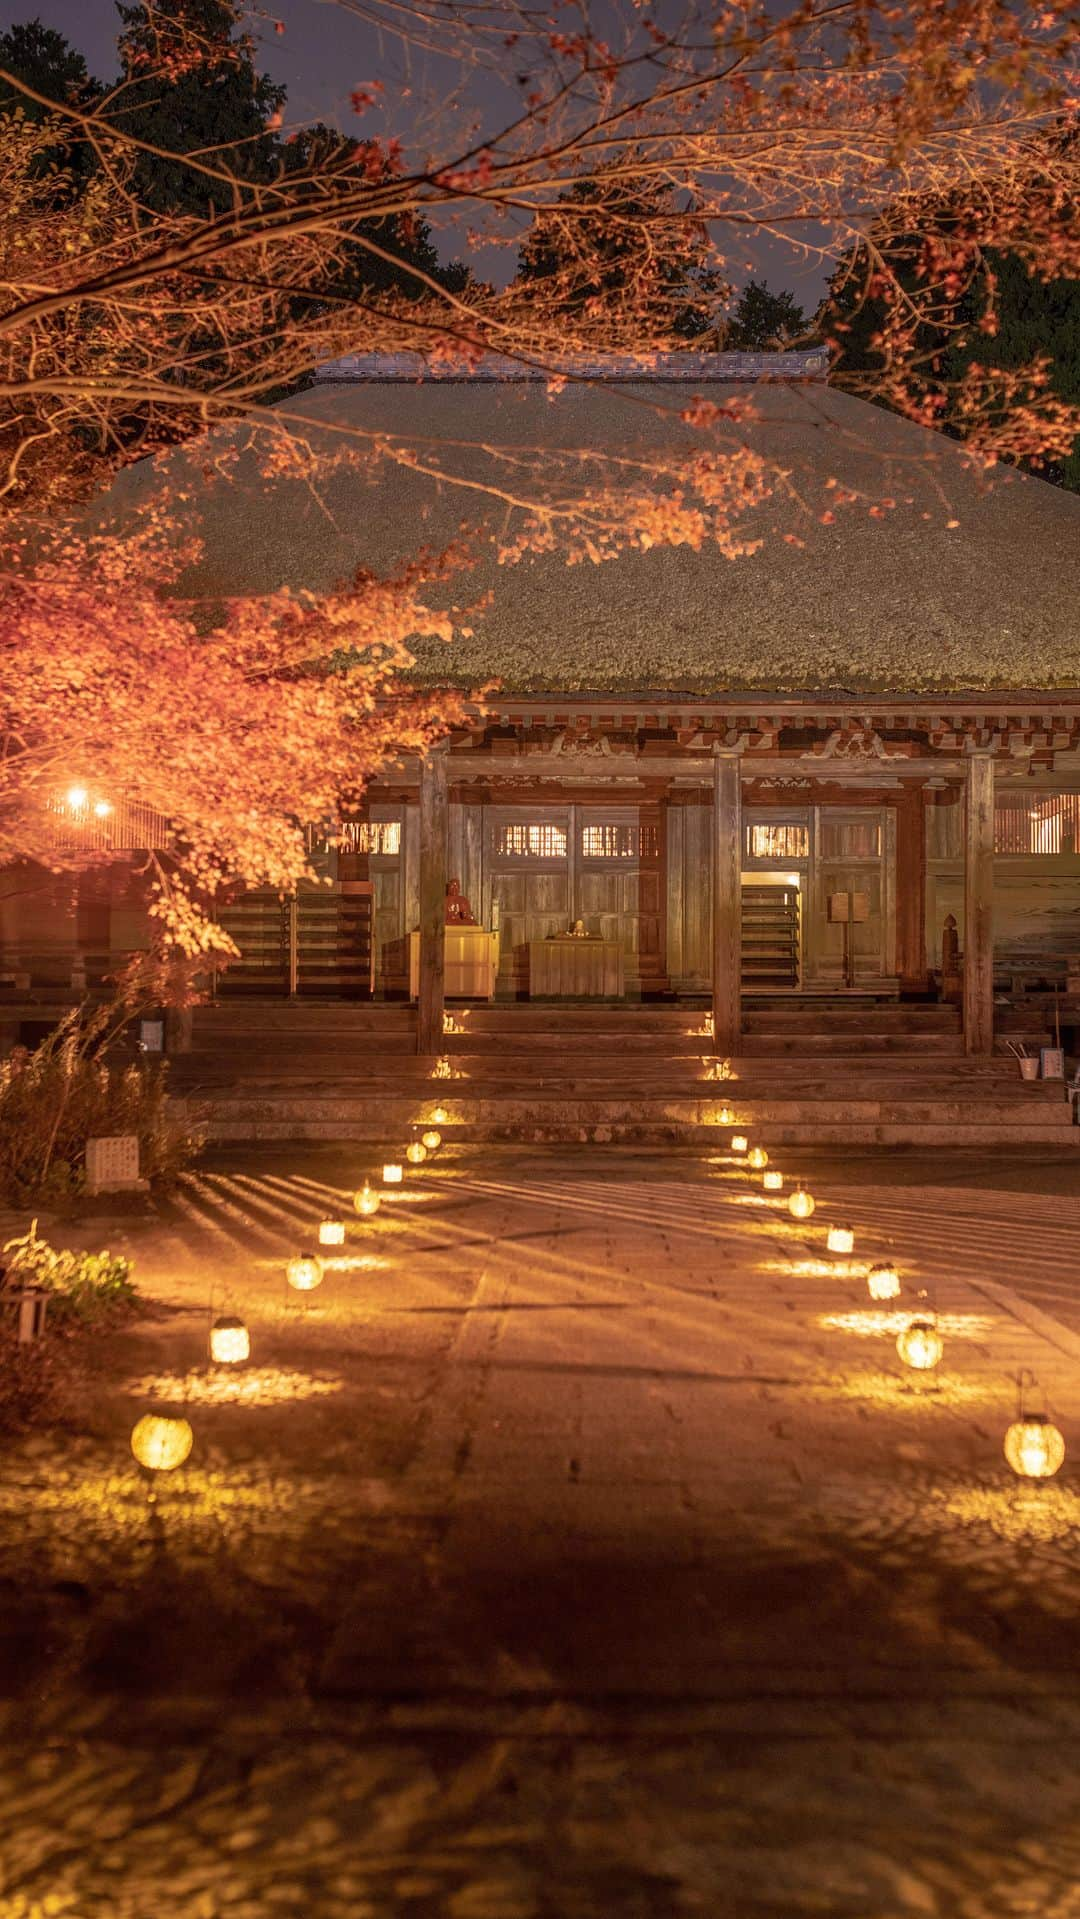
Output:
x=1029 y=1069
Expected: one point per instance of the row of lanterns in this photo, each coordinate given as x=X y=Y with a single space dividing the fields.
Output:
x=1034 y=1447
x=161 y=1442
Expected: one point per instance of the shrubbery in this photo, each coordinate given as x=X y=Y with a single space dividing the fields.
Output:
x=43 y=1383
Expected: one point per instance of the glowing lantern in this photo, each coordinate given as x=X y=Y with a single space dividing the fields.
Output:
x=366 y=1201
x=801 y=1204
x=304 y=1272
x=883 y=1281
x=431 y=1139
x=739 y=1143
x=725 y=1117
x=920 y=1345
x=757 y=1158
x=841 y=1239
x=229 y=1341
x=77 y=797
x=102 y=809
x=161 y=1442
x=416 y=1152
x=1034 y=1447
x=392 y=1175
x=332 y=1232
x=440 y=1116
x=773 y=1182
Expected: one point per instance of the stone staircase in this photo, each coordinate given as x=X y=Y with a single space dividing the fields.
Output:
x=807 y=1073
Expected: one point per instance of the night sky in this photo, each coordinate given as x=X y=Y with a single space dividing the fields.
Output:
x=326 y=51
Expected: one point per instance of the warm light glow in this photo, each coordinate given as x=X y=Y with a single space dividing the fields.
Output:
x=1034 y=1447
x=739 y=1143
x=305 y=1272
x=161 y=1443
x=773 y=1181
x=431 y=1139
x=801 y=1204
x=757 y=1158
x=366 y=1201
x=725 y=1117
x=332 y=1232
x=76 y=797
x=102 y=809
x=230 y=1344
x=440 y=1116
x=416 y=1152
x=392 y=1175
x=920 y=1345
x=841 y=1239
x=883 y=1281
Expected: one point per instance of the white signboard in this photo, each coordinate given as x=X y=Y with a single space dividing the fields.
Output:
x=112 y=1164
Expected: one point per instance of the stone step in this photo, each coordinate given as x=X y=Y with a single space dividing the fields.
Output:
x=981 y=1137
x=469 y=1109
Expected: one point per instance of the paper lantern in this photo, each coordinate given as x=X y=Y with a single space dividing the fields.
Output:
x=161 y=1442
x=772 y=1181
x=305 y=1272
x=416 y=1152
x=757 y=1158
x=801 y=1204
x=392 y=1175
x=920 y=1345
x=840 y=1239
x=725 y=1117
x=366 y=1201
x=739 y=1143
x=440 y=1116
x=332 y=1232
x=230 y=1344
x=883 y=1281
x=1034 y=1447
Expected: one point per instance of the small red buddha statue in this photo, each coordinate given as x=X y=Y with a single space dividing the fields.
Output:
x=458 y=910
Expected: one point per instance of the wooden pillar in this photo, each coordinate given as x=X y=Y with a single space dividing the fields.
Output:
x=727 y=902
x=979 y=905
x=911 y=890
x=434 y=815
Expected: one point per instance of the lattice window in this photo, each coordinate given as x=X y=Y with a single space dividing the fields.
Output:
x=1050 y=824
x=850 y=839
x=782 y=842
x=89 y=821
x=532 y=840
x=381 y=837
x=609 y=841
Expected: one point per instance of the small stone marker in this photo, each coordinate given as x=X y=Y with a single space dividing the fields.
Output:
x=112 y=1164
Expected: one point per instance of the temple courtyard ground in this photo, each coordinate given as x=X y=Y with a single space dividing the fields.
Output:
x=577 y=1550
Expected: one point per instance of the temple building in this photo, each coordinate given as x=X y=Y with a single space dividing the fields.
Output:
x=843 y=765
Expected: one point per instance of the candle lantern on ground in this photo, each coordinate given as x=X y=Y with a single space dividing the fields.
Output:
x=230 y=1342
x=840 y=1239
x=883 y=1281
x=1034 y=1446
x=416 y=1152
x=739 y=1143
x=332 y=1232
x=440 y=1116
x=161 y=1442
x=773 y=1181
x=725 y=1117
x=801 y=1203
x=392 y=1174
x=431 y=1139
x=758 y=1158
x=920 y=1345
x=366 y=1201
x=304 y=1272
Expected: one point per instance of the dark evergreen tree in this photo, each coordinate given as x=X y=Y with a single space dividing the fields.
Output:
x=623 y=253
x=765 y=322
x=190 y=85
x=44 y=60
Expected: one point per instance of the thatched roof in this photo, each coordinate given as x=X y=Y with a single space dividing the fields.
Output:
x=906 y=602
